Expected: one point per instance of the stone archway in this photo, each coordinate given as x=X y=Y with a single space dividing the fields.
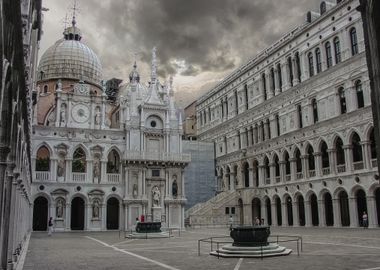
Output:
x=361 y=204
x=269 y=211
x=344 y=208
x=40 y=214
x=314 y=210
x=329 y=213
x=301 y=210
x=377 y=199
x=256 y=209
x=289 y=210
x=77 y=214
x=112 y=214
x=278 y=211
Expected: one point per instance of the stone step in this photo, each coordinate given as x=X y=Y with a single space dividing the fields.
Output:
x=285 y=252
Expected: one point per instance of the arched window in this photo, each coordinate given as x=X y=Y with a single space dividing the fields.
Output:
x=297 y=155
x=342 y=100
x=273 y=83
x=264 y=86
x=287 y=163
x=337 y=50
x=359 y=94
x=299 y=112
x=278 y=125
x=325 y=156
x=290 y=70
x=262 y=131
x=310 y=154
x=318 y=60
x=323 y=7
x=113 y=162
x=328 y=54
x=43 y=159
x=354 y=42
x=373 y=145
x=277 y=167
x=279 y=76
x=246 y=175
x=79 y=161
x=357 y=154
x=315 y=110
x=311 y=64
x=46 y=88
x=298 y=66
x=267 y=170
x=340 y=159
x=269 y=132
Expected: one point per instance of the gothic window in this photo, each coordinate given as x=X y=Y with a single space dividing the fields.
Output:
x=79 y=161
x=315 y=110
x=354 y=41
x=359 y=93
x=299 y=112
x=43 y=159
x=287 y=163
x=113 y=162
x=323 y=7
x=276 y=165
x=340 y=159
x=246 y=96
x=262 y=131
x=318 y=60
x=297 y=155
x=298 y=66
x=264 y=86
x=342 y=100
x=328 y=54
x=357 y=154
x=311 y=64
x=337 y=50
x=290 y=70
x=266 y=168
x=373 y=144
x=310 y=153
x=246 y=175
x=279 y=75
x=325 y=155
x=273 y=79
x=269 y=132
x=278 y=125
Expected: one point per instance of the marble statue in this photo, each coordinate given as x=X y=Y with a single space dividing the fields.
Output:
x=96 y=169
x=61 y=168
x=156 y=196
x=95 y=209
x=59 y=208
x=175 y=188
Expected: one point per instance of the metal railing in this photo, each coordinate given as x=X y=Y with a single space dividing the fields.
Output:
x=299 y=175
x=43 y=176
x=267 y=181
x=326 y=171
x=311 y=173
x=276 y=239
x=288 y=177
x=278 y=179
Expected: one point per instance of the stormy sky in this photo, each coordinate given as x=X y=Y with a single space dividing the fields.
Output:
x=198 y=41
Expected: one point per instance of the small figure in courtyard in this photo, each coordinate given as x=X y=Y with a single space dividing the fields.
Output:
x=59 y=208
x=262 y=222
x=365 y=220
x=257 y=221
x=142 y=218
x=231 y=222
x=50 y=229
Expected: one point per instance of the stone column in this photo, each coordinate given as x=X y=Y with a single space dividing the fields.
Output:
x=285 y=78
x=332 y=160
x=296 y=215
x=348 y=157
x=308 y=218
x=259 y=133
x=354 y=222
x=68 y=173
x=250 y=174
x=304 y=162
x=103 y=123
x=304 y=74
x=270 y=84
x=337 y=214
x=68 y=216
x=103 y=216
x=89 y=172
x=284 y=214
x=274 y=214
x=273 y=126
x=266 y=131
x=53 y=170
x=255 y=134
x=272 y=171
x=277 y=89
x=262 y=175
x=58 y=108
x=366 y=153
x=183 y=183
x=293 y=169
x=372 y=213
x=249 y=136
x=318 y=163
x=321 y=213
x=282 y=170
x=263 y=213
x=295 y=71
x=261 y=90
x=103 y=171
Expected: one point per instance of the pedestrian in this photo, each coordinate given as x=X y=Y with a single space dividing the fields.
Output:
x=231 y=221
x=50 y=231
x=142 y=218
x=262 y=222
x=365 y=220
x=257 y=221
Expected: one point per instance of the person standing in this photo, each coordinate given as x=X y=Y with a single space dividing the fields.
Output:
x=365 y=220
x=231 y=221
x=50 y=229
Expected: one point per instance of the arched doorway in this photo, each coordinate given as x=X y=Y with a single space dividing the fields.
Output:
x=112 y=214
x=289 y=210
x=77 y=214
x=344 y=208
x=301 y=210
x=246 y=175
x=377 y=199
x=361 y=203
x=278 y=210
x=256 y=209
x=269 y=211
x=314 y=210
x=40 y=214
x=241 y=211
x=329 y=214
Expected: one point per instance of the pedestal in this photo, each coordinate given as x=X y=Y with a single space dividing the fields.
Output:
x=156 y=214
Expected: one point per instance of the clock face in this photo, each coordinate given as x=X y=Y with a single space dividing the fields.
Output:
x=80 y=113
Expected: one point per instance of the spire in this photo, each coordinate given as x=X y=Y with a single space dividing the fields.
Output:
x=74 y=22
x=154 y=66
x=73 y=32
x=134 y=76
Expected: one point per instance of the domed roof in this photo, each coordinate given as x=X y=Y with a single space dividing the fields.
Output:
x=69 y=58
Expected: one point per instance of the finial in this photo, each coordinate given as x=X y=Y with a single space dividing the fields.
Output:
x=154 y=65
x=74 y=13
x=65 y=21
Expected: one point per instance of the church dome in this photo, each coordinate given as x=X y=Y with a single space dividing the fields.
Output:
x=69 y=58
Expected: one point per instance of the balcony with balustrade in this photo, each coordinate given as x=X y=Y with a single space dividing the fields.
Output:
x=113 y=178
x=43 y=176
x=158 y=156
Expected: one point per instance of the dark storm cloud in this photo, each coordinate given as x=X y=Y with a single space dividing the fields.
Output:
x=208 y=35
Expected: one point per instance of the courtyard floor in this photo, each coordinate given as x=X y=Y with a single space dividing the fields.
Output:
x=323 y=248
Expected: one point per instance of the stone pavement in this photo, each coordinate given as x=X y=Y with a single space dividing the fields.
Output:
x=323 y=248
